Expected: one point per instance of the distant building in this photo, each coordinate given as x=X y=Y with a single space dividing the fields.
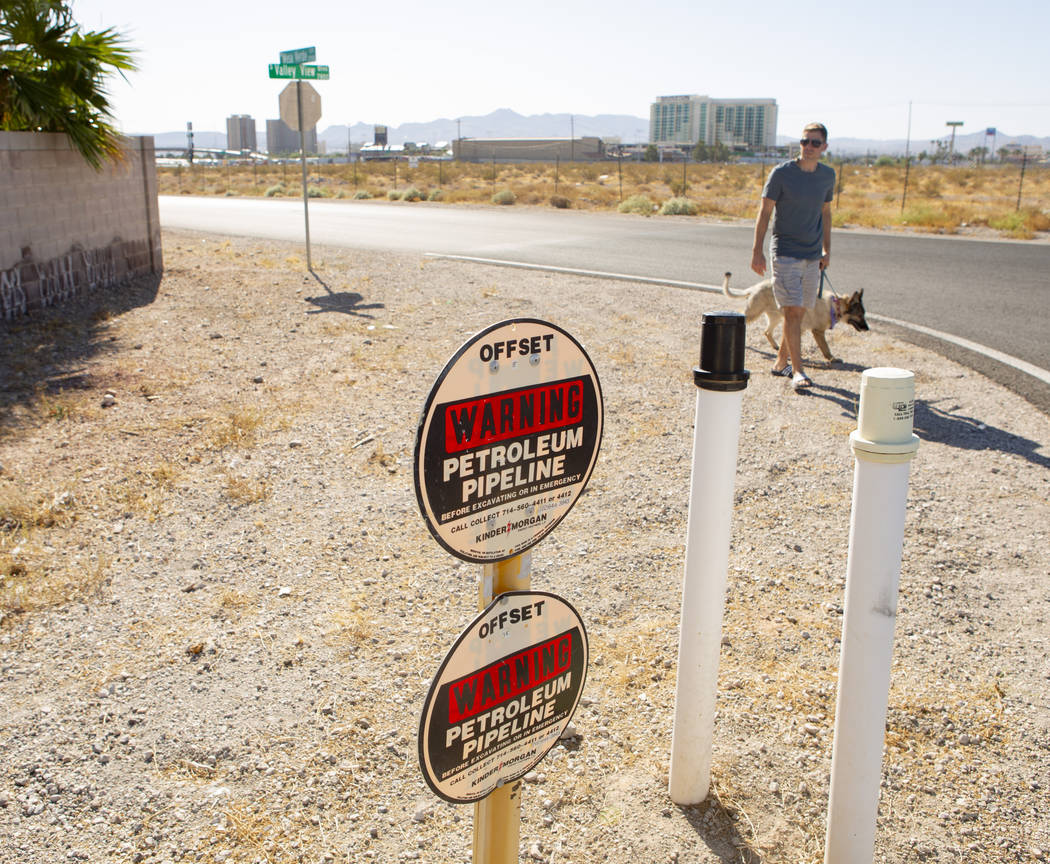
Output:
x=745 y=124
x=240 y=133
x=282 y=139
x=1023 y=153
x=584 y=149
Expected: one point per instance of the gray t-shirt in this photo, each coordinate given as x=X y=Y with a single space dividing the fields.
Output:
x=798 y=223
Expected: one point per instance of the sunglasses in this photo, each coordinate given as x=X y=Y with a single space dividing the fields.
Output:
x=812 y=142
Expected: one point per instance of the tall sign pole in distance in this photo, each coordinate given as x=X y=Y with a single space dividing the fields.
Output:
x=954 y=124
x=300 y=110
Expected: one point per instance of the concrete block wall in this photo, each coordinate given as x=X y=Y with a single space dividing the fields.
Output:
x=66 y=228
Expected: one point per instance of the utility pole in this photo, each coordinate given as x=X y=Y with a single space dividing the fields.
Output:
x=907 y=160
x=572 y=138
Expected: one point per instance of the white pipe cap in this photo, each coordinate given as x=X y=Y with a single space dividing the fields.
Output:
x=887 y=412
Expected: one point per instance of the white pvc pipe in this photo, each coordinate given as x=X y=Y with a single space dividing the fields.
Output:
x=715 y=443
x=883 y=445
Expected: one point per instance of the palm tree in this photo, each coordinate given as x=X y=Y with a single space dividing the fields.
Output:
x=53 y=76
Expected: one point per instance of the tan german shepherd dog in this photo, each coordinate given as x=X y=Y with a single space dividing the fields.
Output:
x=826 y=312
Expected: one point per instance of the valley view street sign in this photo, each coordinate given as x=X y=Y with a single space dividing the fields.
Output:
x=291 y=70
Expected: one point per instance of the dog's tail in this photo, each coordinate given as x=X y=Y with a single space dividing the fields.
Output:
x=725 y=286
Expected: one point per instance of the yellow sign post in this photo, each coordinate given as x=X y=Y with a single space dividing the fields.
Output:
x=497 y=818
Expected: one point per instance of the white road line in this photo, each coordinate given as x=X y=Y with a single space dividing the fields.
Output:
x=597 y=274
x=1006 y=359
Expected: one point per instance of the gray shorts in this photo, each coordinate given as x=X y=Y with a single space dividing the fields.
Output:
x=796 y=281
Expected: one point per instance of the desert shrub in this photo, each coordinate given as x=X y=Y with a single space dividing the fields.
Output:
x=1011 y=223
x=504 y=196
x=412 y=194
x=941 y=217
x=436 y=195
x=678 y=207
x=561 y=202
x=315 y=192
x=362 y=195
x=275 y=191
x=637 y=204
x=394 y=195
x=1021 y=224
x=931 y=187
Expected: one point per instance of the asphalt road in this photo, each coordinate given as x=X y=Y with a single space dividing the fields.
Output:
x=991 y=293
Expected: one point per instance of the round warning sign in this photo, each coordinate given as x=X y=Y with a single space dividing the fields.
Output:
x=507 y=440
x=503 y=695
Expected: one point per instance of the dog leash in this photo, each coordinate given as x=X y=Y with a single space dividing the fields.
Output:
x=831 y=305
x=823 y=276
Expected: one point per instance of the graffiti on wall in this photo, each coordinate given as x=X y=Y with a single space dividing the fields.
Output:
x=12 y=296
x=35 y=285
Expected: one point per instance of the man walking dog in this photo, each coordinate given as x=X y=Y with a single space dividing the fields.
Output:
x=798 y=195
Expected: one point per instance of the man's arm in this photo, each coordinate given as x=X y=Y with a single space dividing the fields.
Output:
x=825 y=259
x=758 y=258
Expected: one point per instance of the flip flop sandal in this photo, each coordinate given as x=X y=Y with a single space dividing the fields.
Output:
x=781 y=373
x=801 y=381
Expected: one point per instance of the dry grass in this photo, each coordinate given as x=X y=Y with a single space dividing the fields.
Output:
x=30 y=579
x=238 y=429
x=246 y=490
x=939 y=198
x=355 y=621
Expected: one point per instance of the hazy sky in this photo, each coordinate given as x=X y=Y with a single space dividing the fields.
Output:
x=853 y=65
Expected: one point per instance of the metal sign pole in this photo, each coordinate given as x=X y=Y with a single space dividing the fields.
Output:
x=302 y=156
x=497 y=818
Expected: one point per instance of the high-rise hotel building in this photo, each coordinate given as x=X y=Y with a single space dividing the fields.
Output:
x=240 y=133
x=687 y=120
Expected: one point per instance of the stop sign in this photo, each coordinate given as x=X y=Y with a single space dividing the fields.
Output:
x=290 y=108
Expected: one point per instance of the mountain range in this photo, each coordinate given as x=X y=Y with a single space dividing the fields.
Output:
x=505 y=123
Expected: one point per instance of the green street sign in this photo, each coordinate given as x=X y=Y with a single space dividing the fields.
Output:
x=300 y=55
x=287 y=70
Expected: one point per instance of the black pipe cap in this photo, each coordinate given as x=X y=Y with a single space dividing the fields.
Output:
x=721 y=352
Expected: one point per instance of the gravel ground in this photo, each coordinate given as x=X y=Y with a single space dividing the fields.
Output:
x=220 y=625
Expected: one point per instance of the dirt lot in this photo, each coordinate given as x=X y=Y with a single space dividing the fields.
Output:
x=222 y=609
